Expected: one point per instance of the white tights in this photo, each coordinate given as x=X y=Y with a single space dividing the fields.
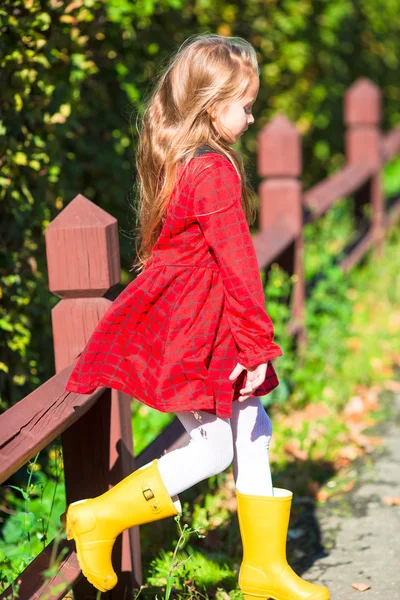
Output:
x=215 y=443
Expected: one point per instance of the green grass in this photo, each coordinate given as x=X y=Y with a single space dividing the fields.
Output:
x=147 y=424
x=391 y=178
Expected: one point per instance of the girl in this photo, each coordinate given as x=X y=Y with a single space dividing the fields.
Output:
x=190 y=334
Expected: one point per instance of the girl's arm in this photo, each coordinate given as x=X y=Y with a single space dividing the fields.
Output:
x=218 y=209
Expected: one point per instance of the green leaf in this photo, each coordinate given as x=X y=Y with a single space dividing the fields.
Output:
x=20 y=158
x=6 y=325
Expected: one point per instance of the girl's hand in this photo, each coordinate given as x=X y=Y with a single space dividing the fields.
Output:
x=255 y=377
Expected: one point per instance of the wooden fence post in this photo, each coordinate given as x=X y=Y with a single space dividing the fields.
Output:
x=363 y=143
x=280 y=162
x=83 y=263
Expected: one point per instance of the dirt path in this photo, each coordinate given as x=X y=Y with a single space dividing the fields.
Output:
x=360 y=533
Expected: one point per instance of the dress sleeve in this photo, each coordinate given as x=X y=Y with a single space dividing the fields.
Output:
x=218 y=210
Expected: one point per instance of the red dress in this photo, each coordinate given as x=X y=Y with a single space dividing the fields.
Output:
x=176 y=332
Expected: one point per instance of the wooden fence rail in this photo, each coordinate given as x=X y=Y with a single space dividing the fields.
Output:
x=84 y=263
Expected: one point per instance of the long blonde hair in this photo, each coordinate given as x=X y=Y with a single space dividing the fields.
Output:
x=206 y=71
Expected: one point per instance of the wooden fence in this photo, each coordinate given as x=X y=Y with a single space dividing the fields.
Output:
x=84 y=263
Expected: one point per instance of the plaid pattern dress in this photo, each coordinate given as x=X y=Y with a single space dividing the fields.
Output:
x=176 y=332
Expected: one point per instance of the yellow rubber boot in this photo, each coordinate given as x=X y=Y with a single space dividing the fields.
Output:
x=265 y=572
x=95 y=523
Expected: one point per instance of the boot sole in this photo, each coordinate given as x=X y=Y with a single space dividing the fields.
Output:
x=263 y=597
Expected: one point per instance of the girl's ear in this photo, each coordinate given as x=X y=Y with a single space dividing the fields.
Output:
x=212 y=112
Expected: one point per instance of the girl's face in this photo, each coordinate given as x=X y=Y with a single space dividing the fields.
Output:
x=232 y=119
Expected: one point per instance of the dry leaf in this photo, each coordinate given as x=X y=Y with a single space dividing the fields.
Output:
x=361 y=587
x=293 y=448
x=371 y=399
x=231 y=504
x=295 y=419
x=394 y=321
x=350 y=452
x=340 y=462
x=322 y=495
x=392 y=386
x=392 y=500
x=376 y=362
x=316 y=411
x=354 y=408
x=364 y=441
x=346 y=488
x=353 y=343
x=375 y=441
